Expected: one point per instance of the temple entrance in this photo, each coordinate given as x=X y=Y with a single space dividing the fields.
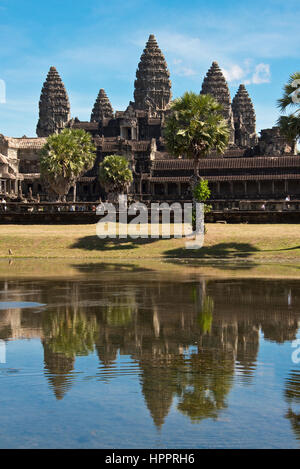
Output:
x=266 y=188
x=225 y=190
x=128 y=133
x=172 y=189
x=279 y=188
x=252 y=189
x=159 y=189
x=239 y=189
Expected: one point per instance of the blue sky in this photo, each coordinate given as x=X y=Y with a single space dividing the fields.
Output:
x=97 y=44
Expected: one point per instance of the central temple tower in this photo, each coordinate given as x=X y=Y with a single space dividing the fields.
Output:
x=152 y=87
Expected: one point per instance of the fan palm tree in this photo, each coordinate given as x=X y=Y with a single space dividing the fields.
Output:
x=115 y=175
x=65 y=157
x=290 y=124
x=291 y=94
x=290 y=128
x=195 y=127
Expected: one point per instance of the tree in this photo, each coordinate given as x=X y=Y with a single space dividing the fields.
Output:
x=290 y=129
x=115 y=175
x=195 y=127
x=65 y=157
x=291 y=94
x=290 y=124
x=201 y=192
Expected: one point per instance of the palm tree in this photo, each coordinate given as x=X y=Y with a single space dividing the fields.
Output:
x=115 y=175
x=291 y=94
x=195 y=127
x=290 y=129
x=290 y=125
x=65 y=157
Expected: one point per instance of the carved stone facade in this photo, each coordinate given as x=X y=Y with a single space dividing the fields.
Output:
x=272 y=143
x=19 y=166
x=244 y=119
x=137 y=133
x=54 y=106
x=102 y=108
x=152 y=87
x=214 y=83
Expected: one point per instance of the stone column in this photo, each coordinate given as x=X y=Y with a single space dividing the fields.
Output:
x=74 y=193
x=286 y=186
x=150 y=188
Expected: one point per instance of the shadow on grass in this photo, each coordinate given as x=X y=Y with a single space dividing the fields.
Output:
x=218 y=251
x=93 y=243
x=282 y=249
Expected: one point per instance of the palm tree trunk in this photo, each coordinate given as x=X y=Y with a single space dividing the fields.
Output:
x=196 y=167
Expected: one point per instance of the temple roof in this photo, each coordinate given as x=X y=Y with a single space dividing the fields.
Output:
x=23 y=143
x=229 y=163
x=225 y=177
x=215 y=84
x=54 y=106
x=102 y=107
x=152 y=84
x=243 y=106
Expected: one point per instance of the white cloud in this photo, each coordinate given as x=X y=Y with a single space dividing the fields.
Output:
x=262 y=74
x=248 y=73
x=234 y=73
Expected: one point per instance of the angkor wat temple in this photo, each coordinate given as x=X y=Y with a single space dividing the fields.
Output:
x=251 y=168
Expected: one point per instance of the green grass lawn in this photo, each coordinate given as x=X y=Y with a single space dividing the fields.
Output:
x=259 y=243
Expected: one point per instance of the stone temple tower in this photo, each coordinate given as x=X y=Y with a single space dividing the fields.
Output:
x=54 y=106
x=102 y=108
x=152 y=87
x=244 y=118
x=215 y=84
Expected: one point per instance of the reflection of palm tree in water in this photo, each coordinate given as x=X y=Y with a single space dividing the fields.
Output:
x=204 y=377
x=206 y=380
x=201 y=380
x=119 y=310
x=68 y=332
x=204 y=306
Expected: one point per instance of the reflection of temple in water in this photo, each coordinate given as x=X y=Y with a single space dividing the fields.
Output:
x=189 y=340
x=58 y=370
